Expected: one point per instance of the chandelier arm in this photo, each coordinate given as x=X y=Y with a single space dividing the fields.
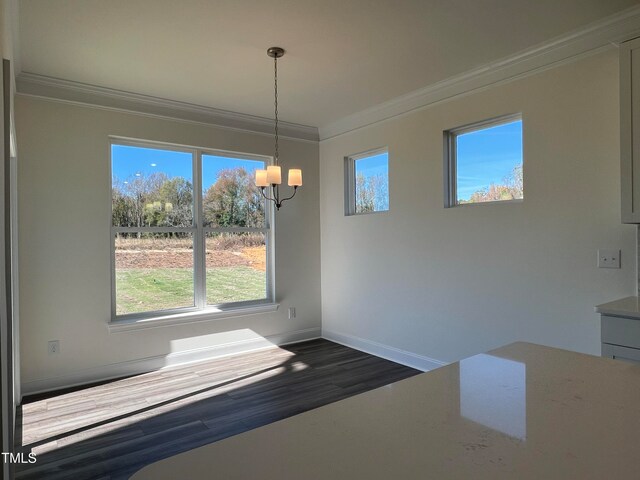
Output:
x=263 y=194
x=262 y=189
x=295 y=190
x=275 y=199
x=276 y=202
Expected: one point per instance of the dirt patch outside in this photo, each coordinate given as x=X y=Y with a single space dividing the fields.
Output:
x=169 y=252
x=253 y=257
x=257 y=257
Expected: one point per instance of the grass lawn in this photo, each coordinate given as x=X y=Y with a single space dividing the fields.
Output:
x=150 y=289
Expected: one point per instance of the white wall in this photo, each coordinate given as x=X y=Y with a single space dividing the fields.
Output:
x=448 y=283
x=64 y=201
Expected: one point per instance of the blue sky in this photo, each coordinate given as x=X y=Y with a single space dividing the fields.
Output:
x=128 y=161
x=487 y=156
x=374 y=165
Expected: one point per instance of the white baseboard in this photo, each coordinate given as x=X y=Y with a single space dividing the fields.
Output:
x=397 y=355
x=149 y=364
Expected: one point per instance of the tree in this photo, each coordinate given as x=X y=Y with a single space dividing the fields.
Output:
x=159 y=201
x=176 y=201
x=510 y=189
x=152 y=201
x=364 y=195
x=372 y=193
x=234 y=200
x=140 y=191
x=120 y=204
x=515 y=182
x=255 y=206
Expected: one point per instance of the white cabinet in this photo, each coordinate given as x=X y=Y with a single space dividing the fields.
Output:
x=630 y=130
x=621 y=338
x=620 y=323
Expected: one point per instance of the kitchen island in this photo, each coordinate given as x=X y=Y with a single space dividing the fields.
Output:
x=522 y=411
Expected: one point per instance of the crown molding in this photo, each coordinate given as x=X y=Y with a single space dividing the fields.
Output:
x=68 y=91
x=594 y=38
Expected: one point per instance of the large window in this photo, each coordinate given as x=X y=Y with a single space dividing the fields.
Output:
x=483 y=162
x=190 y=230
x=367 y=182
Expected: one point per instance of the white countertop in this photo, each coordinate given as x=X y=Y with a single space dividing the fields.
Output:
x=521 y=412
x=626 y=307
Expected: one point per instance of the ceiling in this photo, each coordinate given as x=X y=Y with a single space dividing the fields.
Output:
x=342 y=55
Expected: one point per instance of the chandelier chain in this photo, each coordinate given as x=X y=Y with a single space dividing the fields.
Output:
x=275 y=89
x=264 y=180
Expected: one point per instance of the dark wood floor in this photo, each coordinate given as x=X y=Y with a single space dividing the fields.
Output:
x=109 y=431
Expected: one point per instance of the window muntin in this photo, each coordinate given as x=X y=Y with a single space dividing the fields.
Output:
x=484 y=162
x=167 y=261
x=367 y=182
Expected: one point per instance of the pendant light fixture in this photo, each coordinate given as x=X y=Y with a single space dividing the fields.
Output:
x=272 y=176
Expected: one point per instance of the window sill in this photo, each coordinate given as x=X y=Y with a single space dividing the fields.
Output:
x=206 y=315
x=364 y=214
x=491 y=202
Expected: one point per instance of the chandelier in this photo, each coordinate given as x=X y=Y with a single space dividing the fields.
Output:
x=272 y=176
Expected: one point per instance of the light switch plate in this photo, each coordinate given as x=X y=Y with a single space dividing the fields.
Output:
x=608 y=258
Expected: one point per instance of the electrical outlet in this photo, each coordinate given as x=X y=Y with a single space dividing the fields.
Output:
x=54 y=347
x=608 y=258
x=292 y=312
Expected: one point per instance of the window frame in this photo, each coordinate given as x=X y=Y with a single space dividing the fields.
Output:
x=200 y=309
x=451 y=159
x=350 y=181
